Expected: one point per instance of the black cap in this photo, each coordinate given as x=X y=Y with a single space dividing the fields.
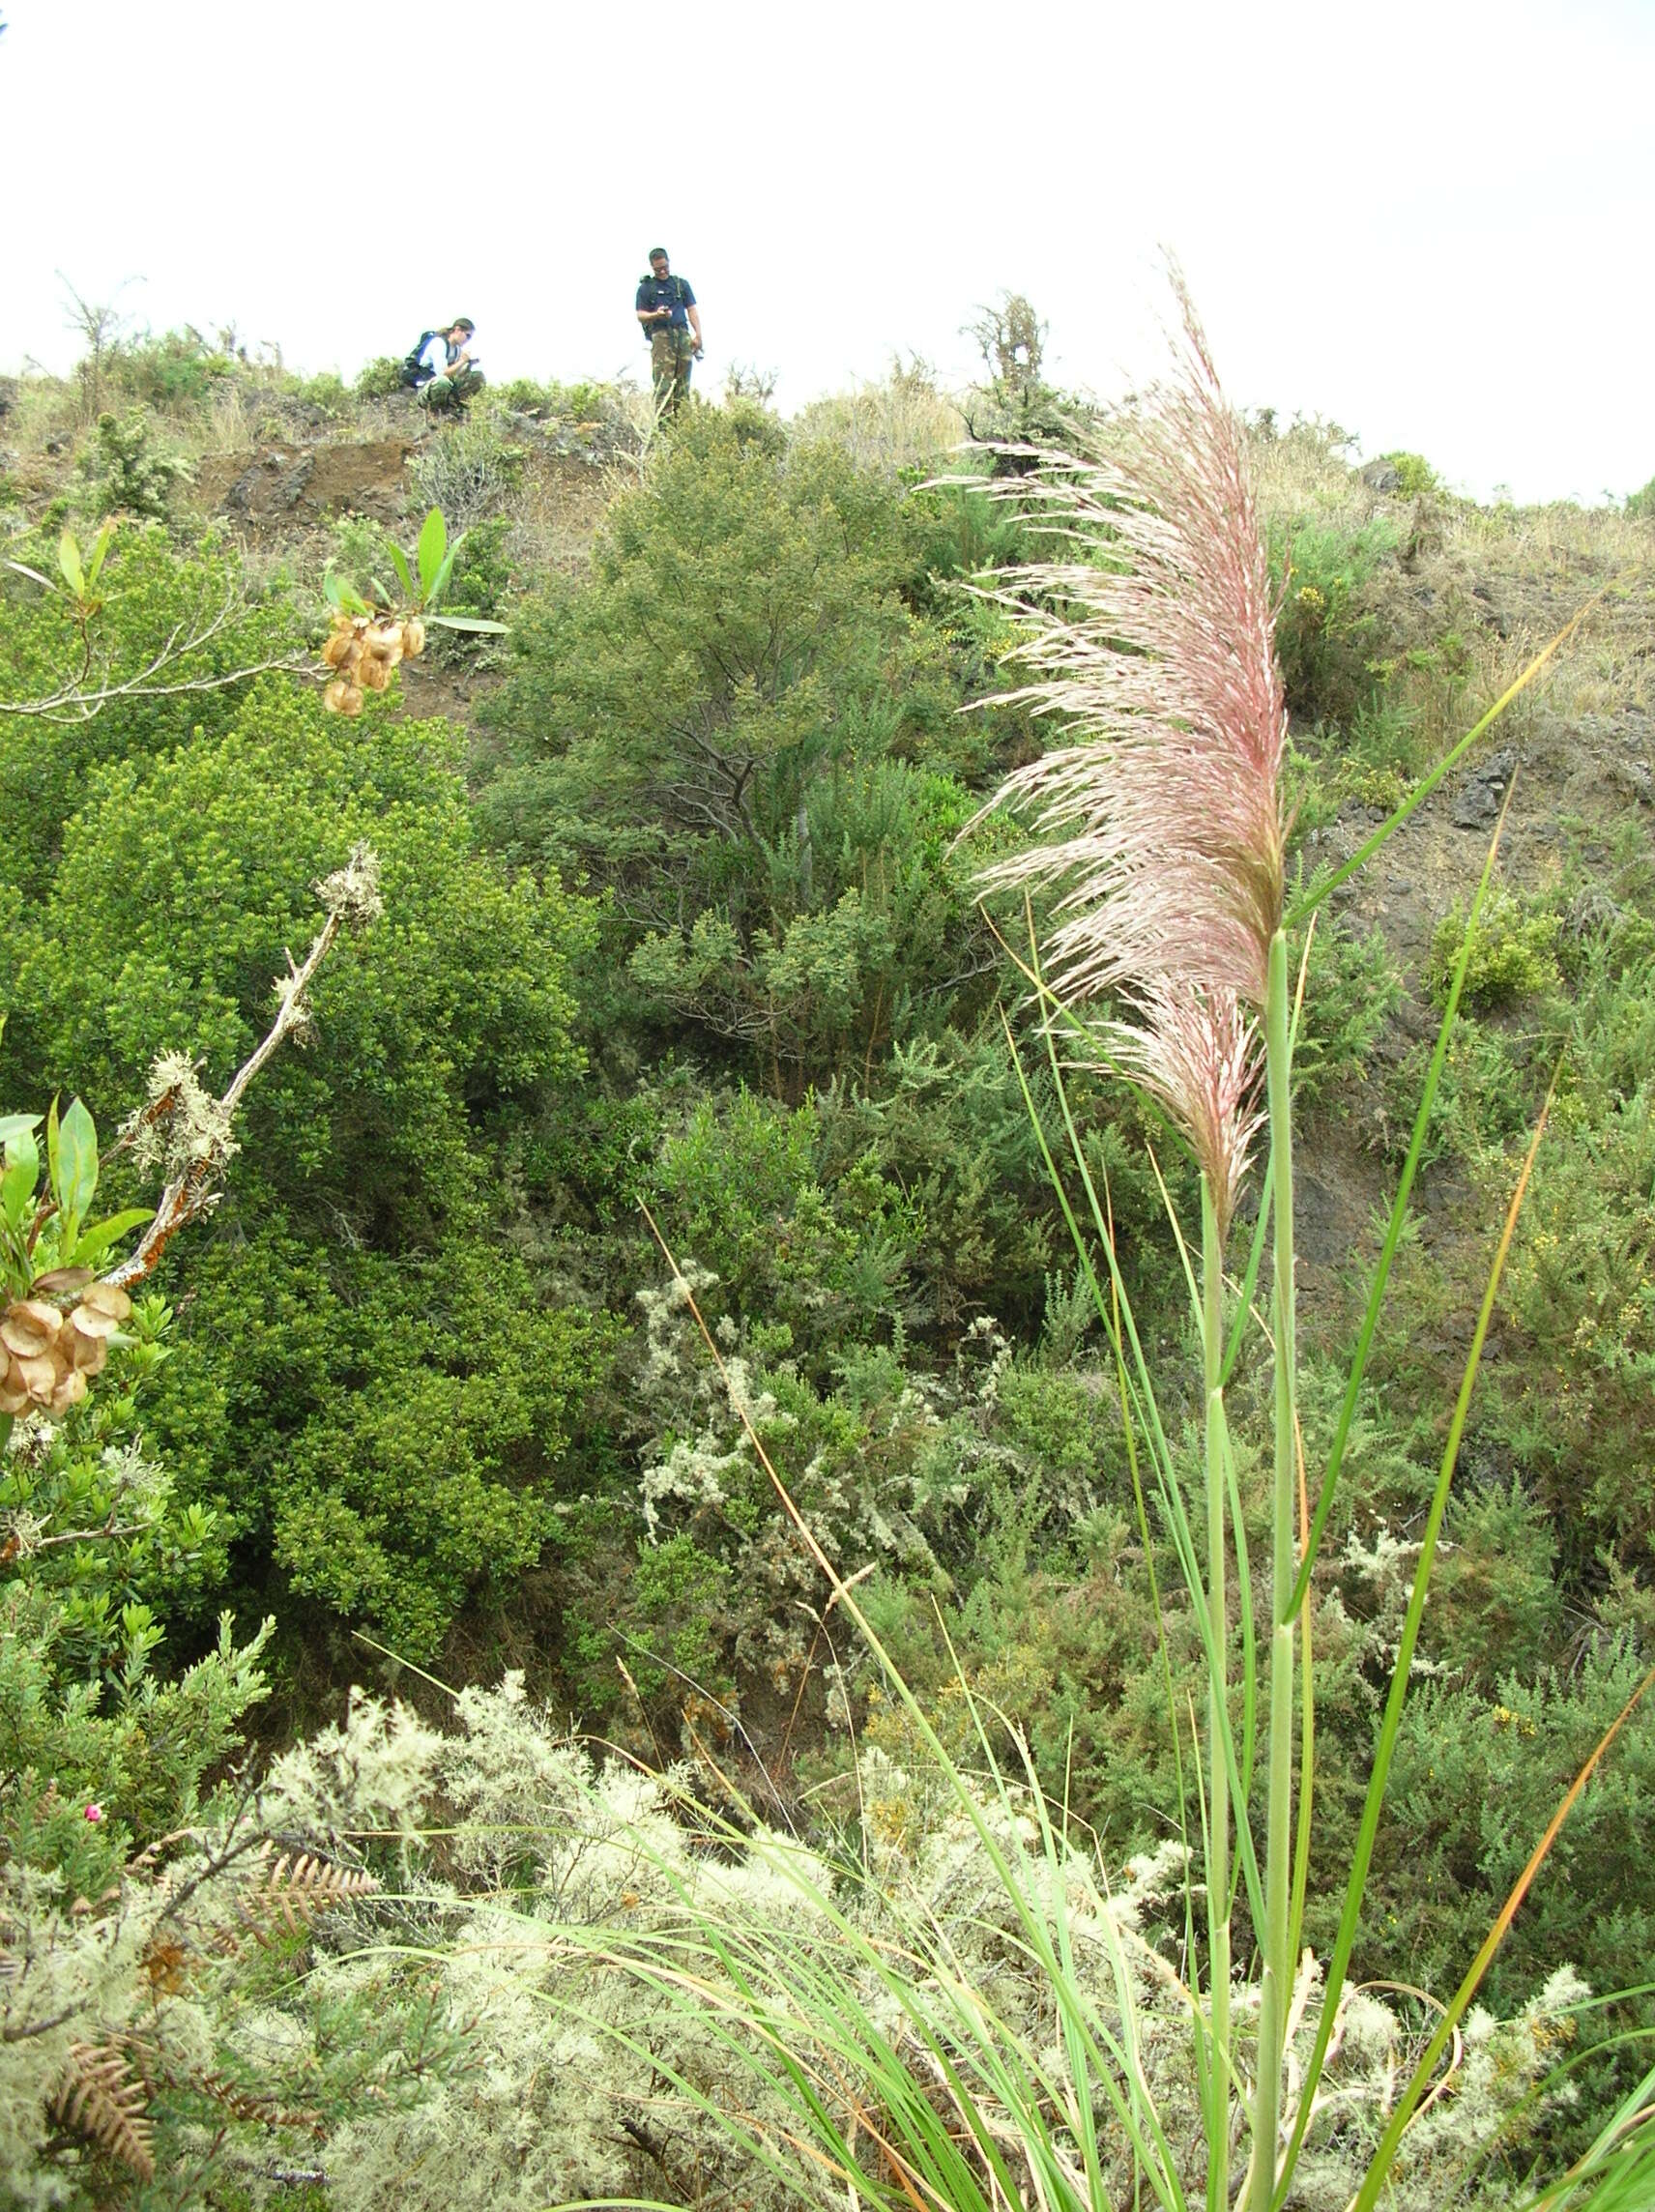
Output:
x=462 y=322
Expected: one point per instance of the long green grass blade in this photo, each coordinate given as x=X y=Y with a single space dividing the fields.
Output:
x=1351 y=1915
x=1373 y=2180
x=1394 y=1227
x=1422 y=790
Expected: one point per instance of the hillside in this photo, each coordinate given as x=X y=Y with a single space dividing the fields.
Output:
x=682 y=934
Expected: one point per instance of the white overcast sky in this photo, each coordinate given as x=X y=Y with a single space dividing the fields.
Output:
x=1431 y=221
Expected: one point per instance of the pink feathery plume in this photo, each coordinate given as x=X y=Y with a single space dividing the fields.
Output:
x=1198 y=1053
x=1162 y=820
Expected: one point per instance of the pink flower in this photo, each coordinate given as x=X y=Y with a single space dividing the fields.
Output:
x=1161 y=822
x=95 y=1812
x=1198 y=1053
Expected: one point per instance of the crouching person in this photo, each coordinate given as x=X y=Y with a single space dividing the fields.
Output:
x=440 y=369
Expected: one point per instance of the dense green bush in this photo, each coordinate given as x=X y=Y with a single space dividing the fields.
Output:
x=1514 y=954
x=1328 y=631
x=349 y=1257
x=149 y=591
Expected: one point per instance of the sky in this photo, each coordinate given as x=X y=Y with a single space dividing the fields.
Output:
x=1432 y=223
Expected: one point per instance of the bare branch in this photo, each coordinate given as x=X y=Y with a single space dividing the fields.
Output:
x=351 y=896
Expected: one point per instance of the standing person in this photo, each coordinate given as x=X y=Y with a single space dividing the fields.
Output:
x=440 y=368
x=672 y=324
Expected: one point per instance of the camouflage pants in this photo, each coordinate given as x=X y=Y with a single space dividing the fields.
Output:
x=452 y=390
x=671 y=352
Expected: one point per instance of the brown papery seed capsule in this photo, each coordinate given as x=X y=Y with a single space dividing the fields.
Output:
x=108 y=1299
x=90 y=1354
x=375 y=675
x=337 y=647
x=414 y=639
x=69 y=1392
x=28 y=1327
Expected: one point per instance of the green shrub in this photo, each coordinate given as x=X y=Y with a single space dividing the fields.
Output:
x=1641 y=505
x=174 y=373
x=125 y=475
x=1328 y=629
x=1416 y=478
x=149 y=591
x=379 y=378
x=376 y=1406
x=329 y=392
x=1514 y=955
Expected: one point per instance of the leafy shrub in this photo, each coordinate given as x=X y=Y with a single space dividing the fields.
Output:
x=1641 y=505
x=357 y=1273
x=468 y=468
x=1329 y=627
x=328 y=391
x=174 y=373
x=125 y=475
x=1416 y=478
x=1514 y=954
x=149 y=591
x=379 y=379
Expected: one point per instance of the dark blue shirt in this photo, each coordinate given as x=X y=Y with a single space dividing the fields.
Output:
x=672 y=292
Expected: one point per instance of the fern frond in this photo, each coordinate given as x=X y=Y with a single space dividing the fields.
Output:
x=244 y=2104
x=290 y=1890
x=100 y=2100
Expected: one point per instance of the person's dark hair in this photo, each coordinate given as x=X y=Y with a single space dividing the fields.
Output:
x=462 y=322
x=659 y=253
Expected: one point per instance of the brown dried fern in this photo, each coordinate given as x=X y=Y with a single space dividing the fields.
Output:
x=290 y=1890
x=100 y=2100
x=260 y=2111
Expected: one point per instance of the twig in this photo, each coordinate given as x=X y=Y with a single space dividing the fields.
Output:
x=350 y=895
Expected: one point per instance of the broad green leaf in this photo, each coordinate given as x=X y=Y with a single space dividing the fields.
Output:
x=34 y=575
x=343 y=596
x=76 y=1178
x=21 y=1174
x=467 y=622
x=69 y=561
x=101 y=547
x=17 y=1125
x=431 y=551
x=51 y=1153
x=404 y=574
x=95 y=1241
x=441 y=583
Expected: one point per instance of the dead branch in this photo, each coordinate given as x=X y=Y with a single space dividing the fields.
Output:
x=351 y=896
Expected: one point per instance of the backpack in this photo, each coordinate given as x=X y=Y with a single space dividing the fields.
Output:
x=413 y=370
x=677 y=284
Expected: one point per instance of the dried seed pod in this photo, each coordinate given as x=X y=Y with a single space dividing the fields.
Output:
x=69 y=1392
x=58 y=1282
x=342 y=698
x=29 y=1326
x=337 y=649
x=13 y=1390
x=87 y=1321
x=39 y=1376
x=414 y=638
x=108 y=1299
x=375 y=675
x=385 y=642
x=90 y=1352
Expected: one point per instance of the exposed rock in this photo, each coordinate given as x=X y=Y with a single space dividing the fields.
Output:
x=1381 y=477
x=1478 y=803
